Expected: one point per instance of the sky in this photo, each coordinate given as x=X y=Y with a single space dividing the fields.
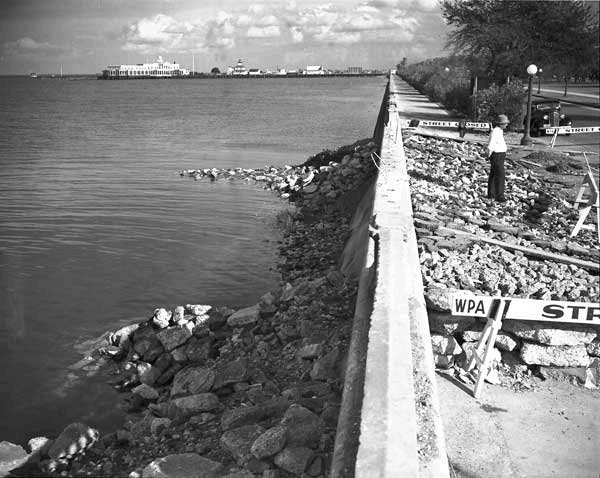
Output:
x=85 y=36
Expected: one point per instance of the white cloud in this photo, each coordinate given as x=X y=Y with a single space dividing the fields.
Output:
x=301 y=26
x=159 y=33
x=410 y=5
x=331 y=36
x=266 y=32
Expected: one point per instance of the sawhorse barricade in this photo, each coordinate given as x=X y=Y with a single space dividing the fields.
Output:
x=592 y=201
x=482 y=353
x=497 y=309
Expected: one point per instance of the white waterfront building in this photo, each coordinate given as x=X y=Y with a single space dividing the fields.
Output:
x=314 y=70
x=239 y=69
x=158 y=69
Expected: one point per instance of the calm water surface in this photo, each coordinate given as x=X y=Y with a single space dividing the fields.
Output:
x=97 y=228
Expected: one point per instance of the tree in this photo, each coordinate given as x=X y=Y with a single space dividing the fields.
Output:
x=504 y=36
x=215 y=71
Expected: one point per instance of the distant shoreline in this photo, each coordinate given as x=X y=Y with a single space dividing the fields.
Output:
x=93 y=76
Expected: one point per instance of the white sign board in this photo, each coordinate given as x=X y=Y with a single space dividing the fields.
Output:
x=454 y=124
x=479 y=125
x=529 y=309
x=439 y=123
x=569 y=130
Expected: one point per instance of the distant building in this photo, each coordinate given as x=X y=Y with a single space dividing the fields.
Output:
x=314 y=70
x=355 y=70
x=240 y=69
x=158 y=69
x=282 y=72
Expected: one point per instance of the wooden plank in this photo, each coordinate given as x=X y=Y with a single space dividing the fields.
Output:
x=538 y=253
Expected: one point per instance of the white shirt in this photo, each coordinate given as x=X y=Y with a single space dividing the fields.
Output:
x=496 y=143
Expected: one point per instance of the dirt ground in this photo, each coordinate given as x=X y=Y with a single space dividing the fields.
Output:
x=550 y=430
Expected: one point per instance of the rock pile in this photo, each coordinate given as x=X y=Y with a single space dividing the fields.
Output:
x=449 y=181
x=216 y=392
x=332 y=173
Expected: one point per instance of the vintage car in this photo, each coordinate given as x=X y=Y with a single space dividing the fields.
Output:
x=546 y=114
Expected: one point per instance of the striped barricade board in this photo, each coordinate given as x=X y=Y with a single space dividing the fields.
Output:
x=529 y=309
x=449 y=124
x=497 y=309
x=571 y=130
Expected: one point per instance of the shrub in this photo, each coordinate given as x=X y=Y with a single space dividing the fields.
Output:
x=448 y=81
x=507 y=99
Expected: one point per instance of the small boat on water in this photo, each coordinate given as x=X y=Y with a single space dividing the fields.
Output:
x=33 y=75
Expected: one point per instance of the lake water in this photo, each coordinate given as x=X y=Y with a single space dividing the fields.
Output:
x=97 y=227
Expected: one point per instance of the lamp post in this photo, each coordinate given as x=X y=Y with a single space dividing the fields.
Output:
x=526 y=139
x=539 y=75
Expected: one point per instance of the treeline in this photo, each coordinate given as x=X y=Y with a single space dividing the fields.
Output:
x=449 y=81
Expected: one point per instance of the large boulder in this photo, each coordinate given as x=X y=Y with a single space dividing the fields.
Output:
x=294 y=459
x=238 y=441
x=184 y=465
x=11 y=457
x=198 y=349
x=161 y=318
x=242 y=317
x=445 y=345
x=231 y=372
x=558 y=356
x=303 y=426
x=74 y=439
x=173 y=337
x=191 y=381
x=269 y=443
x=148 y=373
x=557 y=334
x=193 y=404
x=240 y=416
x=146 y=392
x=439 y=298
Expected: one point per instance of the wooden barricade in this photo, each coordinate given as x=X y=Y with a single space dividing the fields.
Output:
x=499 y=309
x=481 y=357
x=592 y=201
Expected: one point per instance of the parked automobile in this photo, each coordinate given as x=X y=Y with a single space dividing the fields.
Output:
x=546 y=114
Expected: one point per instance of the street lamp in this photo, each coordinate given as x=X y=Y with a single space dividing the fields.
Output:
x=526 y=139
x=539 y=75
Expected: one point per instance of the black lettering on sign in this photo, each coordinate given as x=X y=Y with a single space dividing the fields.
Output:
x=593 y=313
x=576 y=309
x=552 y=311
x=469 y=306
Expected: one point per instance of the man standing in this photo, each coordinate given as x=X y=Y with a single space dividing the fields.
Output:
x=496 y=155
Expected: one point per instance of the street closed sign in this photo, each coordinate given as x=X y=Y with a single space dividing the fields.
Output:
x=528 y=309
x=569 y=130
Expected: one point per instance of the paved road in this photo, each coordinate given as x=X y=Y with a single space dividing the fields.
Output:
x=583 y=106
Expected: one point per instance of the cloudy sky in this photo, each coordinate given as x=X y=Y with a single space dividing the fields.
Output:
x=84 y=36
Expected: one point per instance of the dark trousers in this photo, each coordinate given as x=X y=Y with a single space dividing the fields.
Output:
x=496 y=179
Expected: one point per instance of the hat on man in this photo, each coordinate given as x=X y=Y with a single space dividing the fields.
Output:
x=501 y=119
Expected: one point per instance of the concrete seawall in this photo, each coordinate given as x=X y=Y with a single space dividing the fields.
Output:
x=390 y=374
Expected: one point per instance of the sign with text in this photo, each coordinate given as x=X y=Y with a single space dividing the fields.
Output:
x=569 y=130
x=529 y=309
x=450 y=124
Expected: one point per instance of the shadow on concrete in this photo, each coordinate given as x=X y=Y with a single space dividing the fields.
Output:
x=456 y=383
x=456 y=471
